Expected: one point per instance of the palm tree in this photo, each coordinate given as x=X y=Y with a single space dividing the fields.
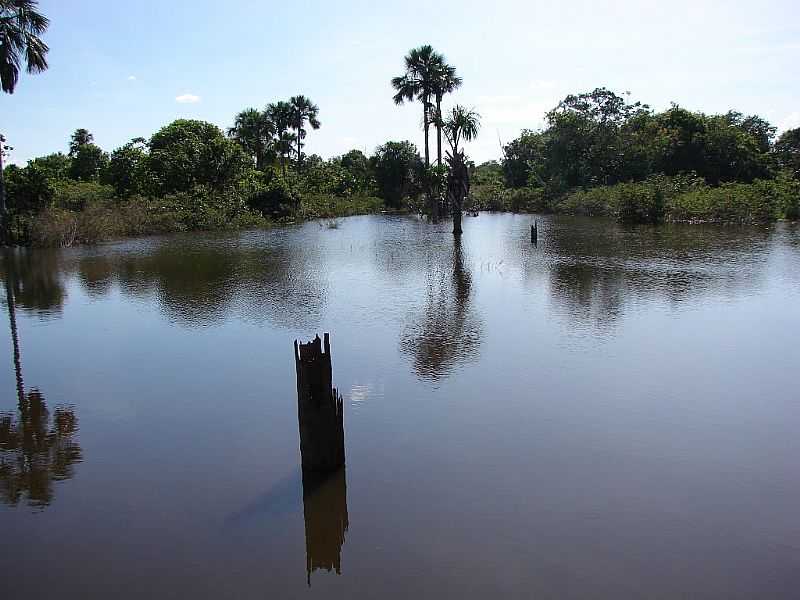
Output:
x=445 y=82
x=303 y=109
x=20 y=29
x=280 y=113
x=460 y=125
x=418 y=83
x=81 y=137
x=254 y=131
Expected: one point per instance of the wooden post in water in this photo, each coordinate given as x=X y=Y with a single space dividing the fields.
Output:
x=535 y=233
x=319 y=409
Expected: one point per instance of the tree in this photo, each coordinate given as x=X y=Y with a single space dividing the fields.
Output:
x=398 y=171
x=461 y=125
x=418 y=82
x=357 y=165
x=254 y=131
x=187 y=153
x=81 y=137
x=787 y=150
x=21 y=28
x=303 y=109
x=88 y=163
x=280 y=113
x=445 y=81
x=127 y=168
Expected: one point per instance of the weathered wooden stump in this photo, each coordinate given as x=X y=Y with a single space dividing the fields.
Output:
x=535 y=233
x=319 y=409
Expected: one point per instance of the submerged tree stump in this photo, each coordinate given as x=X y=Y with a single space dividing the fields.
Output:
x=319 y=409
x=326 y=520
x=535 y=233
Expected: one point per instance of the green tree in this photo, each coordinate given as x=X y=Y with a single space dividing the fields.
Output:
x=55 y=166
x=461 y=125
x=127 y=168
x=398 y=171
x=280 y=113
x=21 y=28
x=254 y=131
x=787 y=151
x=88 y=163
x=303 y=110
x=418 y=82
x=79 y=138
x=187 y=153
x=524 y=159
x=357 y=165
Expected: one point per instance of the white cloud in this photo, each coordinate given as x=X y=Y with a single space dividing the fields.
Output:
x=131 y=77
x=187 y=99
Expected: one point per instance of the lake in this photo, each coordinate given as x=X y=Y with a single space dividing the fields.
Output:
x=612 y=413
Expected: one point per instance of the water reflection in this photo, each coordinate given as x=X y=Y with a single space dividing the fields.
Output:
x=198 y=282
x=325 y=515
x=36 y=280
x=446 y=332
x=35 y=450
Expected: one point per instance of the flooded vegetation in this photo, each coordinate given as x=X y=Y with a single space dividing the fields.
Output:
x=607 y=413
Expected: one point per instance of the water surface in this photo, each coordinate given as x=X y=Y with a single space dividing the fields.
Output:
x=612 y=413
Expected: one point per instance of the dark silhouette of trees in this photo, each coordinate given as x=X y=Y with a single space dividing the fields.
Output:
x=302 y=110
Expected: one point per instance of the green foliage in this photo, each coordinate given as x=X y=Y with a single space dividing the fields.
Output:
x=189 y=153
x=274 y=197
x=398 y=172
x=21 y=28
x=77 y=195
x=787 y=151
x=314 y=206
x=127 y=168
x=53 y=166
x=28 y=189
x=88 y=163
x=599 y=138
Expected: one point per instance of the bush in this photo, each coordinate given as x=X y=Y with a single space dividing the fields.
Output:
x=275 y=198
x=77 y=195
x=320 y=206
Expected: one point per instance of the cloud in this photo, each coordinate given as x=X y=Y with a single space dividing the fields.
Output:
x=187 y=99
x=131 y=77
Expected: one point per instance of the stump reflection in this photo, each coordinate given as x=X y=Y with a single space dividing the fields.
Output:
x=325 y=514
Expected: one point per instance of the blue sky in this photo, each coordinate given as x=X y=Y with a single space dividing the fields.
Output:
x=124 y=69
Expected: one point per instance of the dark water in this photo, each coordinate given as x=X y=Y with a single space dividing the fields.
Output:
x=613 y=414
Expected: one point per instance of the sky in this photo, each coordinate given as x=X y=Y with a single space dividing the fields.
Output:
x=124 y=69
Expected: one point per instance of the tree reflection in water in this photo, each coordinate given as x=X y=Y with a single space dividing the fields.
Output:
x=35 y=449
x=448 y=333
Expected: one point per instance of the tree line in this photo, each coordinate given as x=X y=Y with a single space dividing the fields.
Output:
x=600 y=138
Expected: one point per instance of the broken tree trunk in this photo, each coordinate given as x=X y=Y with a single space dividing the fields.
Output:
x=535 y=233
x=319 y=409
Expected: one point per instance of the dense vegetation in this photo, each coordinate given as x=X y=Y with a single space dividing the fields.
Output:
x=599 y=154
x=191 y=176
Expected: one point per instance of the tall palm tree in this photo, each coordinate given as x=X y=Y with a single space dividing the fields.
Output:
x=460 y=125
x=303 y=109
x=21 y=26
x=280 y=113
x=418 y=83
x=254 y=131
x=445 y=82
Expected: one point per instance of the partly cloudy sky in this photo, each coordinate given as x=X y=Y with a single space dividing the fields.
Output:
x=124 y=69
